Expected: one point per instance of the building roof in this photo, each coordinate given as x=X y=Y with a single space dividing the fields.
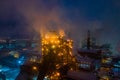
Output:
x=81 y=75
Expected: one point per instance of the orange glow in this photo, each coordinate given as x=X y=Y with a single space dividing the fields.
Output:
x=61 y=46
x=34 y=68
x=58 y=74
x=61 y=32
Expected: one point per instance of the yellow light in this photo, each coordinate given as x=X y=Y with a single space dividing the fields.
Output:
x=53 y=46
x=59 y=54
x=71 y=53
x=52 y=41
x=51 y=77
x=58 y=74
x=34 y=68
x=47 y=37
x=47 y=49
x=71 y=68
x=60 y=45
x=57 y=66
x=64 y=63
x=16 y=55
x=42 y=49
x=57 y=41
x=33 y=60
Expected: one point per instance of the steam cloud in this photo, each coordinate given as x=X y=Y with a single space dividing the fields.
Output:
x=47 y=15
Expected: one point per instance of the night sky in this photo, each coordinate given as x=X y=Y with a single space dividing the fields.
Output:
x=20 y=18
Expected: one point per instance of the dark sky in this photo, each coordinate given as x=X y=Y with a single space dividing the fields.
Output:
x=24 y=17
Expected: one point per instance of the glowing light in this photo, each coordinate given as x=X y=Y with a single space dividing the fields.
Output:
x=34 y=68
x=51 y=77
x=0 y=70
x=53 y=46
x=16 y=55
x=19 y=62
x=58 y=74
x=42 y=49
x=71 y=68
x=61 y=48
x=57 y=66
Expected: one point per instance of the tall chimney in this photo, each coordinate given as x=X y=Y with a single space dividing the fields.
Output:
x=88 y=40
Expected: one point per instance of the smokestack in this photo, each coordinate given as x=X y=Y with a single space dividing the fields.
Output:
x=88 y=40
